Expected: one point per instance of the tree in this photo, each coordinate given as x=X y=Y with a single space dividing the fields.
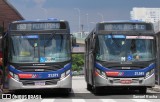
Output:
x=77 y=62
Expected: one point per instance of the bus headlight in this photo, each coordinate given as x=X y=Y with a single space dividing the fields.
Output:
x=101 y=73
x=149 y=73
x=15 y=76
x=11 y=74
x=64 y=74
x=67 y=72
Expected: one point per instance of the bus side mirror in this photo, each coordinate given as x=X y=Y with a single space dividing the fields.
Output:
x=73 y=41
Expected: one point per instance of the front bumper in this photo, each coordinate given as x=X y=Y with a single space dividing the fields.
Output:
x=63 y=83
x=110 y=81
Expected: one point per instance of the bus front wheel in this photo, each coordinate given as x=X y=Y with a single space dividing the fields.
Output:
x=97 y=90
x=68 y=90
x=143 y=90
x=89 y=87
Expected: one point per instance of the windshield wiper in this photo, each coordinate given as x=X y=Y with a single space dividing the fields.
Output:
x=61 y=42
x=50 y=38
x=114 y=40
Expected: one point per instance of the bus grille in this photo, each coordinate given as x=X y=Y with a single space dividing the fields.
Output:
x=32 y=82
x=125 y=68
x=133 y=81
x=34 y=70
x=39 y=68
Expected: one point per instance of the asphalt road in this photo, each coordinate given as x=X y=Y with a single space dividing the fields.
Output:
x=80 y=93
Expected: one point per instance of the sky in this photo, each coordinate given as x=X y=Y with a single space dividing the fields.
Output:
x=89 y=11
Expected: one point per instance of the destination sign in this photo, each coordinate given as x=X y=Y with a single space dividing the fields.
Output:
x=38 y=26
x=126 y=27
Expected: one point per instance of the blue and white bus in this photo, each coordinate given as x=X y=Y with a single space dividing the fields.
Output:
x=120 y=54
x=38 y=55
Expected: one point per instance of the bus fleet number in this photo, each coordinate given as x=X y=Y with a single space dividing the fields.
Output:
x=139 y=73
x=52 y=75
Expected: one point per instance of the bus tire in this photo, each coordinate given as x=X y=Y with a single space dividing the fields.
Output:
x=68 y=90
x=89 y=87
x=96 y=90
x=143 y=90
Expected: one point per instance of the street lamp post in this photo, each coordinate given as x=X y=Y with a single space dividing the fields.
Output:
x=87 y=23
x=79 y=17
x=102 y=18
x=93 y=24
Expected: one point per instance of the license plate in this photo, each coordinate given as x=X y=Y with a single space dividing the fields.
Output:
x=39 y=83
x=126 y=81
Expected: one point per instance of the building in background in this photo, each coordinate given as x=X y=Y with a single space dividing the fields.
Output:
x=7 y=14
x=148 y=15
x=157 y=26
x=80 y=41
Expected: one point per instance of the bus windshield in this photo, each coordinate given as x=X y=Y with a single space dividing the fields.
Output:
x=122 y=48
x=42 y=48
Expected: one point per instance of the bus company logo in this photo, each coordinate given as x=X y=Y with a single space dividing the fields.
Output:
x=39 y=70
x=34 y=75
x=121 y=74
x=39 y=64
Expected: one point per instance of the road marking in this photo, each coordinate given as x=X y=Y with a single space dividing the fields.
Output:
x=141 y=100
x=18 y=100
x=108 y=100
x=48 y=100
x=78 y=100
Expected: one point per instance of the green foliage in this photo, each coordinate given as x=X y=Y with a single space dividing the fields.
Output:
x=77 y=62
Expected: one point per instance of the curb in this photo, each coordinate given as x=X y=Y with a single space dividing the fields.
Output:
x=156 y=88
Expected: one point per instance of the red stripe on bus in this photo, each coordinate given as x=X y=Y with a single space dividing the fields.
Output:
x=96 y=73
x=25 y=76
x=112 y=73
x=9 y=76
